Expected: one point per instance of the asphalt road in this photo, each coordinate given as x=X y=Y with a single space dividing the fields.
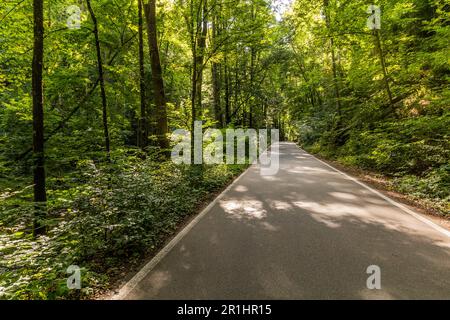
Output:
x=309 y=232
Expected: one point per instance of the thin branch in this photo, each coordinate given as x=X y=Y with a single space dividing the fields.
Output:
x=11 y=10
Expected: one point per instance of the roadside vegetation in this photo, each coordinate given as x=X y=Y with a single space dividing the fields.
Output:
x=382 y=100
x=101 y=218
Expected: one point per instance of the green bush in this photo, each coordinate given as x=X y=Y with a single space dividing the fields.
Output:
x=101 y=217
x=413 y=151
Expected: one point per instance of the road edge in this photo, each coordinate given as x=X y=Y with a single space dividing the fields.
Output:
x=147 y=268
x=386 y=198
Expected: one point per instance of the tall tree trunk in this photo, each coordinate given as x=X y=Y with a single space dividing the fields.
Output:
x=199 y=28
x=236 y=88
x=338 y=138
x=227 y=92
x=101 y=81
x=193 y=98
x=216 y=94
x=200 y=54
x=142 y=136
x=157 y=79
x=383 y=67
x=265 y=107
x=226 y=72
x=252 y=70
x=215 y=74
x=335 y=78
x=40 y=194
x=333 y=58
x=252 y=80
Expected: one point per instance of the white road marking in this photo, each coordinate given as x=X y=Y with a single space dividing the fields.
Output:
x=389 y=200
x=130 y=285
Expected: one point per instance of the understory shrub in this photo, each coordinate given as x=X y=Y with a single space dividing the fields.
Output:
x=101 y=216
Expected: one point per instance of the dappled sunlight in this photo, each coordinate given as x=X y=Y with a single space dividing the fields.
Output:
x=270 y=178
x=331 y=209
x=301 y=181
x=280 y=205
x=325 y=220
x=240 y=188
x=306 y=170
x=244 y=209
x=333 y=214
x=301 y=157
x=343 y=195
x=384 y=294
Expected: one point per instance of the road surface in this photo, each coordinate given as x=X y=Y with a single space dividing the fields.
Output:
x=309 y=232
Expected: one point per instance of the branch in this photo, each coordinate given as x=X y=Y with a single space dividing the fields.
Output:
x=11 y=10
x=74 y=110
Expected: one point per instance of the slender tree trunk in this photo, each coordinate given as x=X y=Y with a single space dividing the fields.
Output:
x=200 y=53
x=142 y=136
x=333 y=59
x=335 y=78
x=252 y=71
x=101 y=81
x=252 y=81
x=193 y=89
x=215 y=69
x=236 y=88
x=227 y=92
x=157 y=79
x=265 y=106
x=193 y=101
x=383 y=67
x=338 y=139
x=40 y=194
x=199 y=26
x=216 y=94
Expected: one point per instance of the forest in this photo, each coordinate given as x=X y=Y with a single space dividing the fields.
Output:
x=90 y=91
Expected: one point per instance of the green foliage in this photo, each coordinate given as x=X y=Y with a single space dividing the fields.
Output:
x=99 y=215
x=408 y=140
x=101 y=218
